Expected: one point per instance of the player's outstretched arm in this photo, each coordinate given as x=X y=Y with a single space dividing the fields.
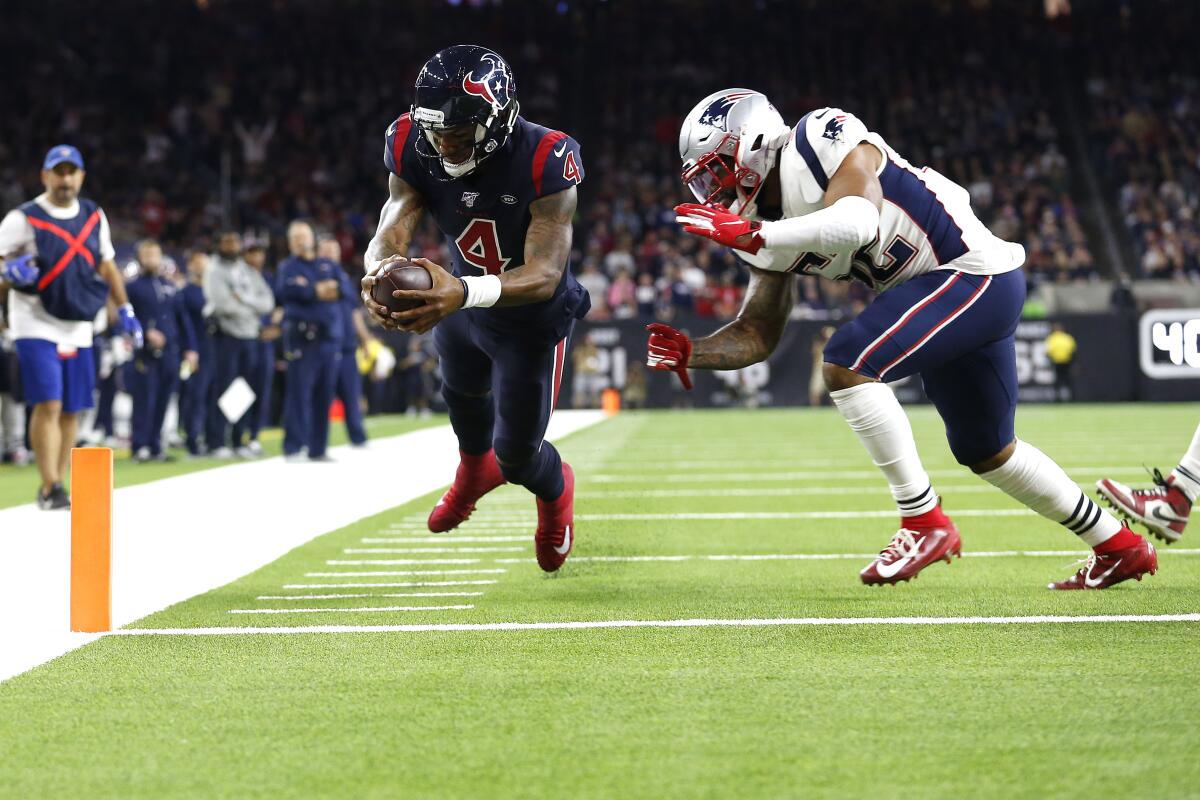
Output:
x=753 y=336
x=397 y=221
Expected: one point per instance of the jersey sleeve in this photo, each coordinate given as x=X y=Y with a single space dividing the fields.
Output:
x=397 y=149
x=557 y=164
x=107 y=251
x=824 y=138
x=16 y=234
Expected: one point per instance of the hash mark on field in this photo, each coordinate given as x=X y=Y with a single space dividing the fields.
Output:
x=660 y=623
x=365 y=594
x=405 y=572
x=443 y=539
x=345 y=610
x=414 y=550
x=404 y=561
x=402 y=584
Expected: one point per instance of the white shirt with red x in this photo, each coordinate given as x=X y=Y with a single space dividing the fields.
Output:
x=27 y=317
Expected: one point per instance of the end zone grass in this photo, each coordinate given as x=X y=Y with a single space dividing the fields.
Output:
x=1028 y=710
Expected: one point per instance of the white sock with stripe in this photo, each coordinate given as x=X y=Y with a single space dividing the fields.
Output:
x=1187 y=475
x=874 y=413
x=1032 y=477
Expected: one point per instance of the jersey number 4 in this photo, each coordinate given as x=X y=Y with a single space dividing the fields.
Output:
x=480 y=246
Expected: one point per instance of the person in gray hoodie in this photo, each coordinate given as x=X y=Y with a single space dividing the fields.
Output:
x=237 y=297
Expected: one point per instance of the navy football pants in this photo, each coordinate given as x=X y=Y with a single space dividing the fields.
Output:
x=956 y=331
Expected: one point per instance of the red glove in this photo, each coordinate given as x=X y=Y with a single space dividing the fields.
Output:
x=669 y=350
x=721 y=225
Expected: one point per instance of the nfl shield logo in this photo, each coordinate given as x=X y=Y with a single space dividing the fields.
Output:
x=469 y=198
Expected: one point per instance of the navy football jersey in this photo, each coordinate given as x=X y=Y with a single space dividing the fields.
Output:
x=485 y=215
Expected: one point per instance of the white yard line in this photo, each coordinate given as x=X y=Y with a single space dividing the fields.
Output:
x=442 y=539
x=182 y=536
x=368 y=610
x=415 y=550
x=397 y=574
x=784 y=515
x=364 y=594
x=401 y=584
x=658 y=623
x=789 y=491
x=365 y=562
x=832 y=556
x=653 y=478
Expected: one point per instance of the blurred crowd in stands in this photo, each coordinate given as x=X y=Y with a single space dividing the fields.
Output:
x=186 y=144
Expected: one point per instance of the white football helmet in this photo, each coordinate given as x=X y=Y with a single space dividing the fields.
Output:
x=729 y=143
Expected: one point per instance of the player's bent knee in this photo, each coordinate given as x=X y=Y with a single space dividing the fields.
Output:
x=838 y=377
x=980 y=466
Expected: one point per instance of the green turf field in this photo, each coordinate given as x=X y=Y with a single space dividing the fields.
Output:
x=18 y=485
x=965 y=710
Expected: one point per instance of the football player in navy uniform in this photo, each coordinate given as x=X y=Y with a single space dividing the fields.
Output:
x=503 y=192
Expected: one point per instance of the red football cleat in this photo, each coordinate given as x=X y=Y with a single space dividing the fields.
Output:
x=555 y=535
x=476 y=476
x=1102 y=570
x=1164 y=510
x=920 y=542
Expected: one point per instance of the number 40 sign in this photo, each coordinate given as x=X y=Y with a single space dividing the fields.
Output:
x=1169 y=343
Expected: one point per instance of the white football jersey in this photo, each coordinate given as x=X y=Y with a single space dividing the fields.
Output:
x=926 y=221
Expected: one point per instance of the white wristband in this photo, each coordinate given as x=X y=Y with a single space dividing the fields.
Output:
x=482 y=290
x=845 y=226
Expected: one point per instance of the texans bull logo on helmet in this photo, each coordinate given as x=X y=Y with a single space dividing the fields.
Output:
x=492 y=85
x=718 y=111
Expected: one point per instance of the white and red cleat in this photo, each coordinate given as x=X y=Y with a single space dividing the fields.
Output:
x=920 y=542
x=476 y=476
x=1164 y=510
x=555 y=531
x=1102 y=570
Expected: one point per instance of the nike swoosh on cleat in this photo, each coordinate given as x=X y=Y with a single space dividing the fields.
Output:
x=558 y=153
x=889 y=570
x=1092 y=584
x=1157 y=514
x=566 y=545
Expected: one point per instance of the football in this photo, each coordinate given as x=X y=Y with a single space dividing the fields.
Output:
x=400 y=275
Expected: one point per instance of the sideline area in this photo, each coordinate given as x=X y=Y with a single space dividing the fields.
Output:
x=182 y=536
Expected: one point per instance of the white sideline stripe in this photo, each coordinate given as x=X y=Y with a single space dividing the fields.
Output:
x=833 y=556
x=413 y=550
x=651 y=479
x=474 y=525
x=367 y=610
x=440 y=539
x=655 y=623
x=365 y=594
x=768 y=515
x=399 y=561
x=402 y=584
x=404 y=573
x=157 y=565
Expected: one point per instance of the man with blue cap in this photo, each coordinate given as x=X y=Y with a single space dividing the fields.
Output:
x=56 y=252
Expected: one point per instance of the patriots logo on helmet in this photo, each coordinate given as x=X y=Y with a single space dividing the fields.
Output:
x=493 y=85
x=718 y=110
x=833 y=128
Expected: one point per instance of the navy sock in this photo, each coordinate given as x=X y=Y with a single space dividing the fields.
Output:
x=472 y=419
x=540 y=474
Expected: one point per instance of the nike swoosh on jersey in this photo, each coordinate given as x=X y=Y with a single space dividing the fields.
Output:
x=558 y=153
x=1092 y=584
x=823 y=113
x=566 y=545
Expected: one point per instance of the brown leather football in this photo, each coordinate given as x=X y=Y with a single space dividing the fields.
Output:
x=400 y=275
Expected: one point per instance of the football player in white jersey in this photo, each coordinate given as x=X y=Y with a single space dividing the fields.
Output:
x=830 y=198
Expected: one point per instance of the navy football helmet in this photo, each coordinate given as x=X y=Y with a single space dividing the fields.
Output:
x=469 y=88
